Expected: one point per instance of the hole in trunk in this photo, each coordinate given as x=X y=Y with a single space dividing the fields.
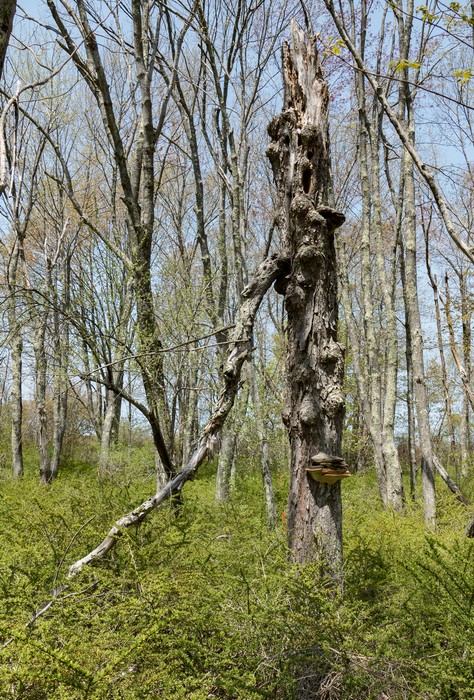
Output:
x=307 y=180
x=309 y=155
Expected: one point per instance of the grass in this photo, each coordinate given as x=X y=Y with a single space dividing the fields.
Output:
x=199 y=601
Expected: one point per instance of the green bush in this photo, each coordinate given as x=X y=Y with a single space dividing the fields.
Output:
x=200 y=602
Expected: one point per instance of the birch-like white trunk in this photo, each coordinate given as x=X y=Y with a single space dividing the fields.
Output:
x=40 y=399
x=60 y=381
x=416 y=339
x=262 y=434
x=109 y=424
x=16 y=402
x=225 y=463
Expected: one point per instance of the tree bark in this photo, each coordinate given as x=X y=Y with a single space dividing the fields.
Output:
x=7 y=13
x=17 y=405
x=226 y=460
x=16 y=393
x=61 y=356
x=442 y=358
x=466 y=315
x=457 y=359
x=314 y=410
x=416 y=339
x=109 y=425
x=40 y=399
x=267 y=481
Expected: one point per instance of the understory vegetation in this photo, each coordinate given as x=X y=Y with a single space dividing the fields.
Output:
x=200 y=602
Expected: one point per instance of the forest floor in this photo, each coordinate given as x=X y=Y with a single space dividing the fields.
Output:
x=199 y=601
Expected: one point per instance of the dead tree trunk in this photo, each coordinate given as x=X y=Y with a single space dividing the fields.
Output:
x=314 y=411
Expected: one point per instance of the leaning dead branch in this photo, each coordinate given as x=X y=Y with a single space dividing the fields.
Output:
x=240 y=349
x=449 y=482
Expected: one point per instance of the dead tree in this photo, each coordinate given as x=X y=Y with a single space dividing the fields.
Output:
x=305 y=271
x=300 y=158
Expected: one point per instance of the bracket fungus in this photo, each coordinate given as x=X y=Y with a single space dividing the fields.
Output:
x=327 y=469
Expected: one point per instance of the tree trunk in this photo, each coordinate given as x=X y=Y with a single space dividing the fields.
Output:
x=59 y=422
x=16 y=393
x=314 y=410
x=410 y=393
x=7 y=12
x=60 y=385
x=94 y=405
x=394 y=492
x=190 y=411
x=466 y=351
x=40 y=397
x=109 y=425
x=17 y=405
x=442 y=358
x=416 y=339
x=267 y=481
x=226 y=460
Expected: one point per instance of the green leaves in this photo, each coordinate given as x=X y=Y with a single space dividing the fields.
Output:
x=333 y=47
x=463 y=76
x=404 y=64
x=201 y=602
x=455 y=14
x=426 y=14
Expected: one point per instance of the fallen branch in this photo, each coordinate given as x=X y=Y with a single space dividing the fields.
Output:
x=449 y=482
x=240 y=349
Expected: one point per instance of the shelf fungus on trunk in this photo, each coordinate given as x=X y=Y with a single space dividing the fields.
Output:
x=327 y=469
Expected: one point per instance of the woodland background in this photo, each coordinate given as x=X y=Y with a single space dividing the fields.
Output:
x=136 y=201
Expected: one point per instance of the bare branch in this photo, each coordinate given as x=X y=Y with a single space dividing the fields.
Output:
x=241 y=349
x=423 y=169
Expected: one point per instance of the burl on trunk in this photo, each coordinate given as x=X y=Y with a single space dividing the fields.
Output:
x=300 y=158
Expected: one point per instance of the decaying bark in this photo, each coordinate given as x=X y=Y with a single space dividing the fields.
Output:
x=314 y=411
x=7 y=12
x=240 y=350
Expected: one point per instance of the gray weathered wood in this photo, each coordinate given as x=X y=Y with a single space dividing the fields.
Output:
x=300 y=157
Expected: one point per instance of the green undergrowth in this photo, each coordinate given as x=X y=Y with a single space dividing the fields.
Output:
x=200 y=602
